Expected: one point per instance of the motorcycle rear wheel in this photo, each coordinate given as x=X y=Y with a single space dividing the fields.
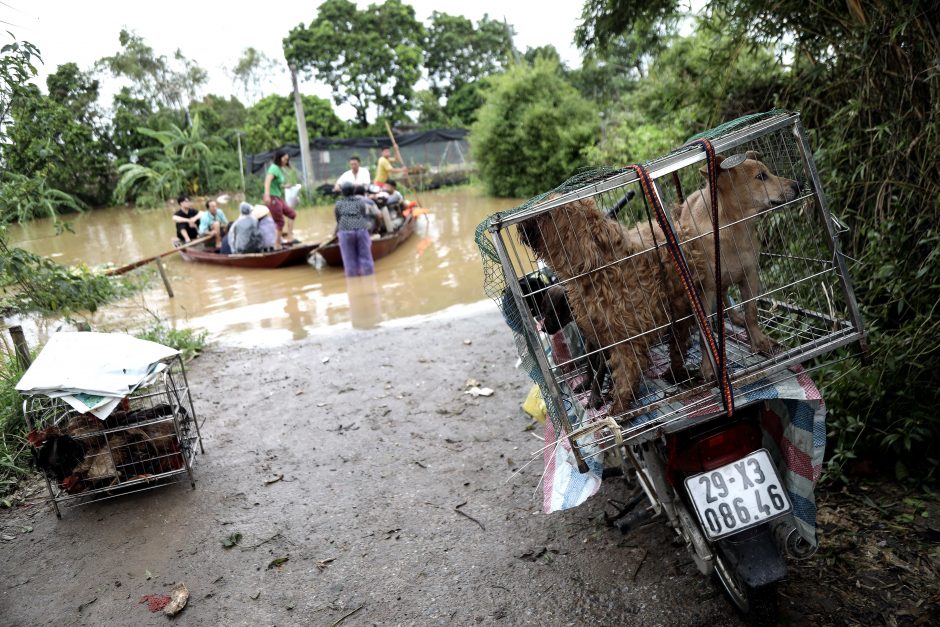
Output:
x=758 y=606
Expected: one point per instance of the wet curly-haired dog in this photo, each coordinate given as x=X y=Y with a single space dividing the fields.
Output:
x=623 y=293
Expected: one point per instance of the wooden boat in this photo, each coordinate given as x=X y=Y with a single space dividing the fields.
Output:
x=381 y=246
x=288 y=256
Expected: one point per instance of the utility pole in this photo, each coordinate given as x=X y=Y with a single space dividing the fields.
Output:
x=306 y=162
x=241 y=159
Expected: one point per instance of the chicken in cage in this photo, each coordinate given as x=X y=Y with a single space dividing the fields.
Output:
x=150 y=439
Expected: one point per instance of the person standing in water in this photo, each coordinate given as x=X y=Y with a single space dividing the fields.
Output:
x=353 y=219
x=281 y=213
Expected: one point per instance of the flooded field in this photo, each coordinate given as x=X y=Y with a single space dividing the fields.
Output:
x=437 y=269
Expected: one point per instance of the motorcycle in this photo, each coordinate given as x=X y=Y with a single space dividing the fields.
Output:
x=732 y=472
x=720 y=491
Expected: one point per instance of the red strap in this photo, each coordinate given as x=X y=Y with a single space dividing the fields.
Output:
x=678 y=260
x=719 y=300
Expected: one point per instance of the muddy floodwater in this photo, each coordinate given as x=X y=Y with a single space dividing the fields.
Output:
x=437 y=270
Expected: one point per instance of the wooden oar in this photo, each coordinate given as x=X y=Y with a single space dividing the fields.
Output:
x=137 y=264
x=401 y=161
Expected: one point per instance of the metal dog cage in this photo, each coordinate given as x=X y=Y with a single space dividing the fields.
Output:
x=148 y=441
x=804 y=301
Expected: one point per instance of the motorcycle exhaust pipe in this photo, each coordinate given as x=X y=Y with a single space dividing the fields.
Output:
x=789 y=541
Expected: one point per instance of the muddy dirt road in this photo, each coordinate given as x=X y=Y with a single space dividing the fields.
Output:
x=378 y=448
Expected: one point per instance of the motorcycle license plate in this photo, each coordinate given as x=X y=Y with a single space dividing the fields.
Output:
x=737 y=496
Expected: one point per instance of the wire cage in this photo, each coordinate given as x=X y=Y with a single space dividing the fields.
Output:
x=602 y=316
x=149 y=440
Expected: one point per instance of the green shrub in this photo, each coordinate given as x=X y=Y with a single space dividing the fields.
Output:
x=31 y=283
x=532 y=132
x=186 y=341
x=12 y=424
x=866 y=82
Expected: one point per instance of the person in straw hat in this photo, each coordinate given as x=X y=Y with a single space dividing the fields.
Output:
x=266 y=226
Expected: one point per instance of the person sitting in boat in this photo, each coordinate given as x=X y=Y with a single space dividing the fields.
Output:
x=389 y=201
x=353 y=221
x=243 y=235
x=395 y=204
x=213 y=221
x=355 y=175
x=186 y=218
x=266 y=226
x=380 y=193
x=394 y=199
x=381 y=220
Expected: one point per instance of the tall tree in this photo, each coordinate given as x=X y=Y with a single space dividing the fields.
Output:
x=533 y=131
x=60 y=137
x=17 y=65
x=169 y=83
x=371 y=58
x=462 y=105
x=430 y=112
x=251 y=72
x=220 y=116
x=630 y=30
x=548 y=51
x=459 y=52
x=271 y=122
x=128 y=112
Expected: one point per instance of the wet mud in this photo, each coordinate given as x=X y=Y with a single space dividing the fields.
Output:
x=359 y=484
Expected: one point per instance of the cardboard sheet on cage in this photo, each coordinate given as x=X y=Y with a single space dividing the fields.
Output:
x=92 y=372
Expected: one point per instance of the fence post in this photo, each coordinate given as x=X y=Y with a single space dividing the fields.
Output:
x=166 y=281
x=19 y=344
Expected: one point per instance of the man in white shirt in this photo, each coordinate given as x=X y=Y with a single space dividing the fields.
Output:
x=355 y=175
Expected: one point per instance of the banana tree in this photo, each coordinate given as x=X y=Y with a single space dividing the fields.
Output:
x=24 y=198
x=181 y=159
x=161 y=180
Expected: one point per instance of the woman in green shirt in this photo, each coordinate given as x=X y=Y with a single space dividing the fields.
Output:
x=274 y=197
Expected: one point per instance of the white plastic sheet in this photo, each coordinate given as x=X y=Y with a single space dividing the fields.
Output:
x=92 y=372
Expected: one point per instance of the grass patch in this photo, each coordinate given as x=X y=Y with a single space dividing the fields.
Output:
x=187 y=341
x=13 y=451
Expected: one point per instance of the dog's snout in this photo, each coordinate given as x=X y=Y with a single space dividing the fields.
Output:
x=793 y=190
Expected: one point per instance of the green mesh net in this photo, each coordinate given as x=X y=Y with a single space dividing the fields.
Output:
x=736 y=124
x=494 y=278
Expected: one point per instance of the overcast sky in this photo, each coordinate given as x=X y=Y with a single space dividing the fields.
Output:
x=214 y=34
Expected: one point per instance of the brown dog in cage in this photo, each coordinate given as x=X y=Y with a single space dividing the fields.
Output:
x=624 y=294
x=744 y=190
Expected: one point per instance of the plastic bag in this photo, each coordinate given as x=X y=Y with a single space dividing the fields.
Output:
x=292 y=195
x=534 y=404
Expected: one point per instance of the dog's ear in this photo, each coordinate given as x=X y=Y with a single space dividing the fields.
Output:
x=753 y=154
x=704 y=169
x=528 y=233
